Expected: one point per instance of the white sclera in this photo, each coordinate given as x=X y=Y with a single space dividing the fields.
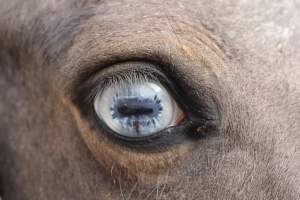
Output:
x=104 y=102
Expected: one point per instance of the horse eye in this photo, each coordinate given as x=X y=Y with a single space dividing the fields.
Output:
x=137 y=108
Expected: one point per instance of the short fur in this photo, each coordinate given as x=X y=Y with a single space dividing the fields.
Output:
x=242 y=55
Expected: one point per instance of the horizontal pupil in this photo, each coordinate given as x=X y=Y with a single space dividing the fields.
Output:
x=129 y=110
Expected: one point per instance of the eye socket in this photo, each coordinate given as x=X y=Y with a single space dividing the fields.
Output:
x=140 y=91
x=136 y=107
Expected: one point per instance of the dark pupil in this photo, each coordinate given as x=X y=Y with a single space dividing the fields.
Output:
x=129 y=110
x=136 y=107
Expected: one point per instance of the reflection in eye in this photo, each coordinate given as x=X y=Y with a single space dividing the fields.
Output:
x=137 y=108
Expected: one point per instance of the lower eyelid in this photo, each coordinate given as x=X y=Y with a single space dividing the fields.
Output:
x=132 y=165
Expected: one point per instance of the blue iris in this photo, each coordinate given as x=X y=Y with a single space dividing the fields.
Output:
x=136 y=113
x=137 y=108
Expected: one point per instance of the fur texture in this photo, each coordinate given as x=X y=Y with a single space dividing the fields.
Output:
x=242 y=56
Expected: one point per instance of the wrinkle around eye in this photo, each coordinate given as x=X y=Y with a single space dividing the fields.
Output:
x=191 y=66
x=192 y=47
x=127 y=161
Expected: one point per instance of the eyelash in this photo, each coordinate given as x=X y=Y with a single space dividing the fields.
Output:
x=159 y=141
x=119 y=77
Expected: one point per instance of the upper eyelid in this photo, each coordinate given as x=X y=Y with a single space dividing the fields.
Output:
x=85 y=68
x=93 y=83
x=146 y=71
x=128 y=75
x=90 y=80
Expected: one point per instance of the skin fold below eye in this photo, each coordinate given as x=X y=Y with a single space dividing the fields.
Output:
x=115 y=109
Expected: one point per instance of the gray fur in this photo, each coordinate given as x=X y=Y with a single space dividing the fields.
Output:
x=251 y=47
